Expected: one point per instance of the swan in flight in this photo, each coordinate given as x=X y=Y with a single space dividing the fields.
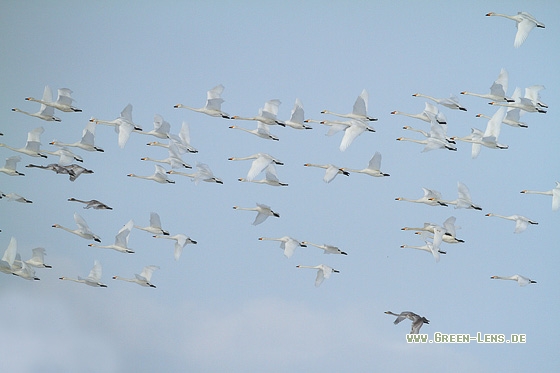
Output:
x=213 y=103
x=323 y=272
x=521 y=280
x=155 y=225
x=296 y=120
x=262 y=131
x=524 y=23
x=464 y=200
x=65 y=156
x=431 y=143
x=123 y=125
x=33 y=144
x=260 y=162
x=327 y=249
x=497 y=90
x=447 y=238
x=142 y=279
x=359 y=111
x=488 y=138
x=373 y=168
x=452 y=102
x=75 y=170
x=417 y=320
x=159 y=176
x=435 y=139
x=121 y=240
x=161 y=128
x=269 y=179
x=430 y=197
x=93 y=279
x=45 y=112
x=267 y=114
x=431 y=247
x=174 y=159
x=522 y=103
x=263 y=212
x=10 y=166
x=521 y=222
x=37 y=260
x=181 y=141
x=87 y=142
x=331 y=171
x=203 y=173
x=92 y=203
x=288 y=244
x=82 y=231
x=181 y=241
x=26 y=272
x=448 y=228
x=9 y=257
x=356 y=128
x=532 y=93
x=555 y=193
x=511 y=119
x=63 y=101
x=14 y=197
x=430 y=111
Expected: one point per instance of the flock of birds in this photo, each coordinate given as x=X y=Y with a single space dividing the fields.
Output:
x=358 y=121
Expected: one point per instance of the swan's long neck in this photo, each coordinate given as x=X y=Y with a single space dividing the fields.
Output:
x=125 y=279
x=546 y=193
x=82 y=281
x=246 y=208
x=425 y=247
x=505 y=16
x=312 y=267
x=317 y=165
x=412 y=140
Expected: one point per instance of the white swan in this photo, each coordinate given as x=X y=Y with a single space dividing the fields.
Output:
x=524 y=23
x=63 y=101
x=65 y=156
x=142 y=279
x=417 y=320
x=182 y=141
x=9 y=257
x=161 y=128
x=25 y=271
x=33 y=144
x=38 y=258
x=511 y=119
x=203 y=173
x=15 y=197
x=497 y=90
x=431 y=247
x=287 y=243
x=373 y=168
x=269 y=179
x=174 y=159
x=522 y=103
x=121 y=240
x=452 y=102
x=82 y=231
x=267 y=114
x=93 y=279
x=331 y=171
x=532 y=93
x=430 y=197
x=430 y=111
x=448 y=228
x=488 y=138
x=123 y=125
x=356 y=128
x=260 y=162
x=555 y=193
x=263 y=212
x=521 y=222
x=435 y=139
x=181 y=241
x=87 y=141
x=45 y=112
x=323 y=272
x=159 y=176
x=213 y=103
x=463 y=200
x=521 y=280
x=359 y=110
x=296 y=120
x=155 y=225
x=92 y=203
x=262 y=131
x=327 y=249
x=10 y=166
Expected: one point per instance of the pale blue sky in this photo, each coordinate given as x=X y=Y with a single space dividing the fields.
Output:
x=233 y=303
